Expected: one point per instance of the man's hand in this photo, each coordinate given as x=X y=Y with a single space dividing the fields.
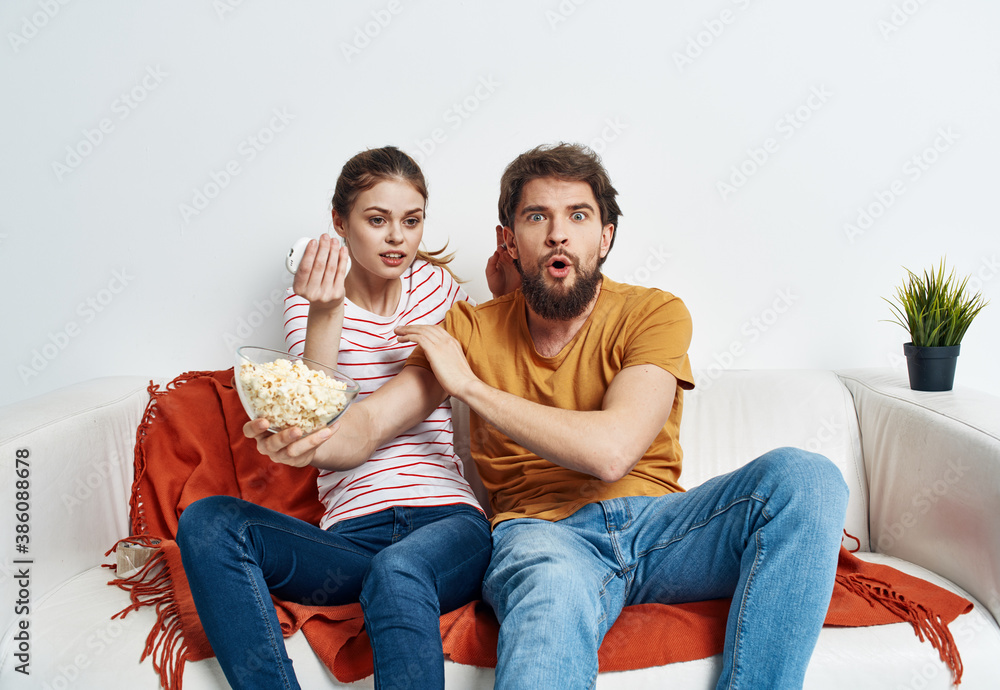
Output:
x=320 y=278
x=501 y=274
x=287 y=447
x=445 y=354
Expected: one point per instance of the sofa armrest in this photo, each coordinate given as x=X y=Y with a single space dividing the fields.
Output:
x=933 y=466
x=79 y=444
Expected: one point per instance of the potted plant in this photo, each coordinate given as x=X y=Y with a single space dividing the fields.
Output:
x=936 y=310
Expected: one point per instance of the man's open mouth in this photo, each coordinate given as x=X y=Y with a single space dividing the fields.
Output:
x=558 y=267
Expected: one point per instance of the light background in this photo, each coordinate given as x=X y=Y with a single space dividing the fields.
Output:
x=894 y=108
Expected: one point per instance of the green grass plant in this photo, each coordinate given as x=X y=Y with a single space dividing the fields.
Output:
x=934 y=308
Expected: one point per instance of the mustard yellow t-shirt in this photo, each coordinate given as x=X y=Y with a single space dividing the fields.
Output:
x=630 y=325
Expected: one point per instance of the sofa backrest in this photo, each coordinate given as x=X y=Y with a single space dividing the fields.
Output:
x=734 y=416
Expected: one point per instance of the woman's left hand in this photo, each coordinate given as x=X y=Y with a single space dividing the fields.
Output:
x=321 y=274
x=444 y=353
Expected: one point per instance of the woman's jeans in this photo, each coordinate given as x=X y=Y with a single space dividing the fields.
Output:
x=406 y=566
x=768 y=535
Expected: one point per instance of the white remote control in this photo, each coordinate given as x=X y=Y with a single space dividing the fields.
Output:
x=294 y=255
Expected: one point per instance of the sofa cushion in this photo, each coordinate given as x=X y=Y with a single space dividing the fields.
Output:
x=732 y=419
x=77 y=644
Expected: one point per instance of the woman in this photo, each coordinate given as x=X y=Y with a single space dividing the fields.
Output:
x=403 y=532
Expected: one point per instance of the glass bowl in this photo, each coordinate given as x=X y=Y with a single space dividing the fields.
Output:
x=291 y=391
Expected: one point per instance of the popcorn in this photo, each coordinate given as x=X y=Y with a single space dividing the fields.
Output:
x=291 y=394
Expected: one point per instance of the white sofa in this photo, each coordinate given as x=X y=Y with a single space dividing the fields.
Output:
x=923 y=468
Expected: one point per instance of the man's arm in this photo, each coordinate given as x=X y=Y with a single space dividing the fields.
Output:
x=605 y=443
x=406 y=400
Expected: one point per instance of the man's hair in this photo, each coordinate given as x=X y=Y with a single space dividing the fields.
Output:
x=570 y=162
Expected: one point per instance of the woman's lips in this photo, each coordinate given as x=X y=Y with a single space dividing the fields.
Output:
x=392 y=259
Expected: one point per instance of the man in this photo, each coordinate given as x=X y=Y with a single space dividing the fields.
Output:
x=575 y=384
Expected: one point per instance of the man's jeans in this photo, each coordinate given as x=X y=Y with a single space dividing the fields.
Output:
x=767 y=534
x=407 y=566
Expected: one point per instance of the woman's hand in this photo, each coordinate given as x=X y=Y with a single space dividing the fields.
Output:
x=445 y=354
x=502 y=275
x=288 y=447
x=320 y=278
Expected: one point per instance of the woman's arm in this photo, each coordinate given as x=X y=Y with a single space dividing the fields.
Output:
x=605 y=443
x=404 y=401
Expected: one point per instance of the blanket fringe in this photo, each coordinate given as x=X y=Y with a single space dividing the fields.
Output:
x=137 y=518
x=151 y=586
x=926 y=624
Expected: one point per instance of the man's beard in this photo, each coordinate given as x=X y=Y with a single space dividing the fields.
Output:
x=544 y=300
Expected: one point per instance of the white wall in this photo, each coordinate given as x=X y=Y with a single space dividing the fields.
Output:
x=104 y=273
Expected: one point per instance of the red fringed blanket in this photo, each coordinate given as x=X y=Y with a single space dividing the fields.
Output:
x=190 y=444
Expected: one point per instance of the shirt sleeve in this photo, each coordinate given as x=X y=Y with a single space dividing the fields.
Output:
x=458 y=324
x=661 y=335
x=295 y=317
x=458 y=292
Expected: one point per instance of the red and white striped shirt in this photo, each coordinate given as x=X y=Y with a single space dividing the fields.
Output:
x=419 y=467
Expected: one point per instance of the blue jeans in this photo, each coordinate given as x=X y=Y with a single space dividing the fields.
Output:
x=767 y=534
x=406 y=566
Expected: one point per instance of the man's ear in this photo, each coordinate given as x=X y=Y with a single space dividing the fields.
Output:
x=607 y=234
x=511 y=241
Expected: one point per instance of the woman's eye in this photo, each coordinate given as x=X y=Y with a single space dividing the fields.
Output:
x=578 y=216
x=412 y=222
x=376 y=220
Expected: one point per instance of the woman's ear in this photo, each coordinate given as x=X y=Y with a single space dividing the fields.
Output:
x=338 y=224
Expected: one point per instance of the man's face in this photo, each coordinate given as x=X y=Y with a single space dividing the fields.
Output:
x=557 y=243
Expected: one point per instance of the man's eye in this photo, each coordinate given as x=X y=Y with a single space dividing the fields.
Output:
x=535 y=217
x=579 y=216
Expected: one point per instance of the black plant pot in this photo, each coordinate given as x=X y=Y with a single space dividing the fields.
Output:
x=931 y=368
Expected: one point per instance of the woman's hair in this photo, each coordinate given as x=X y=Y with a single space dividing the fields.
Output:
x=367 y=169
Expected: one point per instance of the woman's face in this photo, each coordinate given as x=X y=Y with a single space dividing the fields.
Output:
x=384 y=229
